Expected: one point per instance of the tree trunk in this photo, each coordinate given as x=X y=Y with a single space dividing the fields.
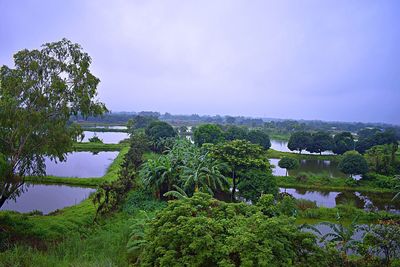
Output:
x=234 y=187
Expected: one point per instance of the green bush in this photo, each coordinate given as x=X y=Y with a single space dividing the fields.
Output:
x=141 y=200
x=305 y=204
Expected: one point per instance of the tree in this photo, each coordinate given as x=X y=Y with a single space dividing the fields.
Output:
x=37 y=99
x=239 y=155
x=353 y=163
x=384 y=239
x=208 y=133
x=255 y=182
x=259 y=137
x=234 y=132
x=158 y=130
x=381 y=160
x=288 y=164
x=320 y=141
x=343 y=142
x=202 y=231
x=299 y=141
x=140 y=122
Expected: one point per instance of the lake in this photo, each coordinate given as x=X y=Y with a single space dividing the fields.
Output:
x=330 y=168
x=82 y=164
x=47 y=198
x=363 y=200
x=106 y=137
x=280 y=145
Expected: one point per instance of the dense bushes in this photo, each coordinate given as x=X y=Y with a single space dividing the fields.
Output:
x=201 y=231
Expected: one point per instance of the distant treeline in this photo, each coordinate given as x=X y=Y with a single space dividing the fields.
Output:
x=270 y=125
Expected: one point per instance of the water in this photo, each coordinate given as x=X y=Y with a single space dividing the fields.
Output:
x=362 y=200
x=107 y=137
x=327 y=167
x=82 y=164
x=280 y=145
x=47 y=198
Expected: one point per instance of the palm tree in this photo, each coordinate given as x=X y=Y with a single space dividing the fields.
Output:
x=179 y=193
x=204 y=174
x=342 y=235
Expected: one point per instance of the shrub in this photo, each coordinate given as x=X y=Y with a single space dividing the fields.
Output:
x=305 y=204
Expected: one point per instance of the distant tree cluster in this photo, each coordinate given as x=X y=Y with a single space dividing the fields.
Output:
x=214 y=133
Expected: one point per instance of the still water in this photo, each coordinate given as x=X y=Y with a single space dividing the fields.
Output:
x=47 y=198
x=82 y=164
x=106 y=137
x=327 y=167
x=363 y=200
x=280 y=145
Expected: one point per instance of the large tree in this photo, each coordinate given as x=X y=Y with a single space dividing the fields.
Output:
x=288 y=164
x=37 y=98
x=320 y=142
x=353 y=163
x=343 y=142
x=239 y=155
x=208 y=133
x=259 y=137
x=234 y=132
x=299 y=141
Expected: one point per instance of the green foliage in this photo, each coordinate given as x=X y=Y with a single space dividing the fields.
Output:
x=305 y=204
x=208 y=133
x=343 y=142
x=320 y=142
x=299 y=141
x=233 y=132
x=372 y=137
x=185 y=166
x=141 y=199
x=259 y=137
x=239 y=155
x=353 y=163
x=37 y=98
x=201 y=231
x=139 y=122
x=95 y=139
x=288 y=163
x=158 y=130
x=266 y=204
x=254 y=182
x=381 y=159
x=383 y=239
x=287 y=206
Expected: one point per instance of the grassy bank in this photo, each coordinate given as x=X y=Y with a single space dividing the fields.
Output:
x=104 y=130
x=111 y=174
x=321 y=182
x=97 y=147
x=274 y=154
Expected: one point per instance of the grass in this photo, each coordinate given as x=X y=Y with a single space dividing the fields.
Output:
x=271 y=153
x=97 y=147
x=111 y=175
x=322 y=182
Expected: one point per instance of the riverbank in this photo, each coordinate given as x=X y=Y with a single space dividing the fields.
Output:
x=97 y=147
x=271 y=153
x=110 y=175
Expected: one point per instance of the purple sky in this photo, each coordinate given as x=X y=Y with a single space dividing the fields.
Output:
x=328 y=60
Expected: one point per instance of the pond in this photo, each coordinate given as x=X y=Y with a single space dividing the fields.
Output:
x=82 y=164
x=280 y=145
x=106 y=137
x=330 y=168
x=47 y=198
x=363 y=200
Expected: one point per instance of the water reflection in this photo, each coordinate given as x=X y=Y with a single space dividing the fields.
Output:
x=107 y=137
x=363 y=200
x=46 y=198
x=327 y=167
x=280 y=145
x=81 y=164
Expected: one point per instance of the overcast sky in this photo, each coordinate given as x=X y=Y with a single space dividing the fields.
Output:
x=328 y=60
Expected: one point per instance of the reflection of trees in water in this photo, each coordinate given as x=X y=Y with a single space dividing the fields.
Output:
x=11 y=188
x=348 y=197
x=381 y=201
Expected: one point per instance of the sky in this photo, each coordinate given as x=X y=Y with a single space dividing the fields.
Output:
x=333 y=60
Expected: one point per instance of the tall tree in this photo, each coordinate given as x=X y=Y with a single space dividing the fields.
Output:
x=353 y=163
x=299 y=141
x=259 y=137
x=37 y=98
x=343 y=142
x=320 y=142
x=234 y=132
x=208 y=133
x=239 y=155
